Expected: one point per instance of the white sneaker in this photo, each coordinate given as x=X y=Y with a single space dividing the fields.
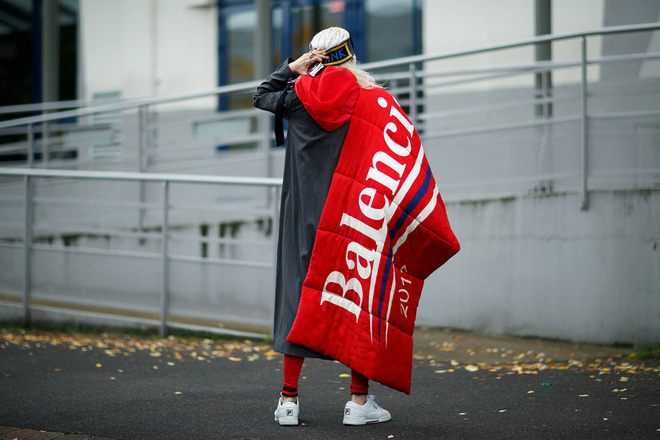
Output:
x=286 y=414
x=370 y=412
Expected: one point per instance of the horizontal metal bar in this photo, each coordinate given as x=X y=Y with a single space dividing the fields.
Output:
x=56 y=105
x=96 y=232
x=148 y=255
x=510 y=105
x=544 y=66
x=133 y=104
x=213 y=240
x=510 y=180
x=119 y=306
x=8 y=244
x=253 y=210
x=625 y=57
x=233 y=140
x=229 y=114
x=617 y=115
x=216 y=330
x=143 y=177
x=498 y=127
x=537 y=67
x=92 y=203
x=634 y=172
x=221 y=261
x=100 y=252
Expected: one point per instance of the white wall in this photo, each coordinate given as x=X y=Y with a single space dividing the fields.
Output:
x=539 y=266
x=145 y=48
x=451 y=25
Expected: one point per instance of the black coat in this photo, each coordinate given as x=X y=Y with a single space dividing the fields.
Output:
x=311 y=157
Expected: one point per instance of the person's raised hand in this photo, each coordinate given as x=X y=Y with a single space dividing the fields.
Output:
x=301 y=65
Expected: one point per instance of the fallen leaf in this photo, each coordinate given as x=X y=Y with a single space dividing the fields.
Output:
x=584 y=395
x=344 y=375
x=98 y=365
x=502 y=410
x=472 y=368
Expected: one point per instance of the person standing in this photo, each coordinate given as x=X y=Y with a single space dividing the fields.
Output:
x=317 y=127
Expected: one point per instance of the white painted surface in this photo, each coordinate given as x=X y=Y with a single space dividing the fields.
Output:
x=144 y=48
x=538 y=266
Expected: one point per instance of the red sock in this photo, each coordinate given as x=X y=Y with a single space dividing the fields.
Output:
x=359 y=383
x=292 y=367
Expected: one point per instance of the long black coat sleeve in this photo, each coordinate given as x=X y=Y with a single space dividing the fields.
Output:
x=268 y=92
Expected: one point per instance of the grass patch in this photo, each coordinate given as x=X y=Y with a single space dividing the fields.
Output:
x=647 y=353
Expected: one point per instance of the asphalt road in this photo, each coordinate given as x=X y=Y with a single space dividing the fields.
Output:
x=125 y=388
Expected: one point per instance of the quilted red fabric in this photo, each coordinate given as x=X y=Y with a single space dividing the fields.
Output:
x=382 y=232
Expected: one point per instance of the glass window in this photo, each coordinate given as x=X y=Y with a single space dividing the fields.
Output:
x=20 y=51
x=277 y=45
x=240 y=42
x=310 y=19
x=390 y=30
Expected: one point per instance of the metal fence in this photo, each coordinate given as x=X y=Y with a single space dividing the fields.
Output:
x=496 y=140
x=164 y=256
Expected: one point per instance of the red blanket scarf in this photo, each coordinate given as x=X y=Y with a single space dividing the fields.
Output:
x=383 y=231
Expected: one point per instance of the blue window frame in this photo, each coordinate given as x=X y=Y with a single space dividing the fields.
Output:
x=381 y=29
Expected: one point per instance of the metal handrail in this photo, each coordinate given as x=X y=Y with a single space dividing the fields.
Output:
x=130 y=104
x=46 y=106
x=248 y=86
x=150 y=177
x=416 y=59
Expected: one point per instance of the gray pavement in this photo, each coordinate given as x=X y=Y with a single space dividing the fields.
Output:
x=465 y=386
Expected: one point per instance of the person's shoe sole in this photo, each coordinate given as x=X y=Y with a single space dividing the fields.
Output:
x=356 y=421
x=292 y=422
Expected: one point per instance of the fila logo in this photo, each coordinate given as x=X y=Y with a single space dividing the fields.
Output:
x=347 y=411
x=289 y=412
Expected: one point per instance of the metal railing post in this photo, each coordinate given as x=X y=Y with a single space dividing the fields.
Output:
x=44 y=144
x=142 y=137
x=142 y=123
x=27 y=246
x=583 y=127
x=30 y=145
x=413 y=93
x=264 y=131
x=263 y=121
x=164 y=283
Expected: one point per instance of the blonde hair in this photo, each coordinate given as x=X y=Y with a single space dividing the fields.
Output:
x=333 y=36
